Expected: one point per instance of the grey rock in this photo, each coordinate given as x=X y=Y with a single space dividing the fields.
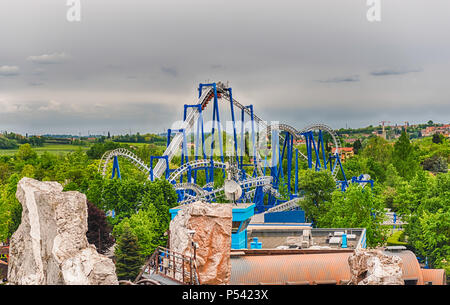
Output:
x=50 y=246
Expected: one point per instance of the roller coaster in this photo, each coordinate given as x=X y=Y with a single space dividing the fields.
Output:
x=261 y=180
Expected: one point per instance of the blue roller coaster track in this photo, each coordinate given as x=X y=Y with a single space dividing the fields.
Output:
x=260 y=179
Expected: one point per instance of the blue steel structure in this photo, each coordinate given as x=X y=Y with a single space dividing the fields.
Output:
x=116 y=168
x=259 y=186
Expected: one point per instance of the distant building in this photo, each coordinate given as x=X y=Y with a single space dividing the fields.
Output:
x=344 y=152
x=351 y=140
x=431 y=130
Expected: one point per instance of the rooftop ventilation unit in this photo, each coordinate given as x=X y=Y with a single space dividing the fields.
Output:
x=395 y=248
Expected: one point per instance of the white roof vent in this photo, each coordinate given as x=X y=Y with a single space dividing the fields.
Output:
x=395 y=248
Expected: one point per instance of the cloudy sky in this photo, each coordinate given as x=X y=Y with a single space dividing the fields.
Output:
x=132 y=65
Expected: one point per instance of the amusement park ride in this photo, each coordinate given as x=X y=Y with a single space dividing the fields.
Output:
x=245 y=182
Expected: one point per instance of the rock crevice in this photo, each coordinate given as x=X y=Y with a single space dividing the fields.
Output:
x=373 y=267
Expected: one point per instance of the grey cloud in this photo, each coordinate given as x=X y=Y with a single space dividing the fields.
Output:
x=48 y=117
x=9 y=70
x=38 y=72
x=341 y=79
x=55 y=58
x=296 y=55
x=36 y=84
x=170 y=71
x=390 y=71
x=217 y=66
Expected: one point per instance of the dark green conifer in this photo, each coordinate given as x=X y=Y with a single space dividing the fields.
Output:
x=128 y=260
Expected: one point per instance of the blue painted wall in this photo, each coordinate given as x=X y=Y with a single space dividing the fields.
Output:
x=296 y=216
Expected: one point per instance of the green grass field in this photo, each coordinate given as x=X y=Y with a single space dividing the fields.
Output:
x=51 y=148
x=133 y=144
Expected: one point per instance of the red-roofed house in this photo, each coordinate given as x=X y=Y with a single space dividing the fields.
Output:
x=344 y=152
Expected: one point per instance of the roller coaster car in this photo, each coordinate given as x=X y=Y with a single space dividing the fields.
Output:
x=210 y=96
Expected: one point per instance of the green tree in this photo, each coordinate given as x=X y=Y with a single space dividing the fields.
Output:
x=145 y=226
x=10 y=208
x=392 y=183
x=161 y=197
x=124 y=196
x=97 y=150
x=127 y=253
x=152 y=221
x=436 y=139
x=28 y=171
x=25 y=152
x=357 y=207
x=357 y=146
x=403 y=157
x=424 y=204
x=378 y=153
x=353 y=167
x=435 y=164
x=435 y=237
x=410 y=195
x=6 y=143
x=317 y=188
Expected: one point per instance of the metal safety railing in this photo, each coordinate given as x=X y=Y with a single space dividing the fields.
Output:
x=172 y=265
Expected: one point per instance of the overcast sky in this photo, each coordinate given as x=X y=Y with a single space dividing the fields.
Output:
x=132 y=65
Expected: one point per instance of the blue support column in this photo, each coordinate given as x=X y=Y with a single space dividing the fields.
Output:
x=308 y=138
x=280 y=171
x=289 y=139
x=296 y=171
x=116 y=168
x=152 y=178
x=253 y=139
x=169 y=132
x=184 y=152
x=215 y=113
x=242 y=139
x=318 y=165
x=234 y=125
x=323 y=149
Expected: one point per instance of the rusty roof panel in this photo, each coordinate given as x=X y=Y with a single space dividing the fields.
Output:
x=411 y=267
x=288 y=269
x=325 y=268
x=435 y=276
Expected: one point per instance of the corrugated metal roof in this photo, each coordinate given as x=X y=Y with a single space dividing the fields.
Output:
x=411 y=268
x=435 y=276
x=310 y=268
x=288 y=269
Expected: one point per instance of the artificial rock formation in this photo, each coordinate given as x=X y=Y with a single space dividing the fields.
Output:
x=372 y=267
x=212 y=225
x=50 y=246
